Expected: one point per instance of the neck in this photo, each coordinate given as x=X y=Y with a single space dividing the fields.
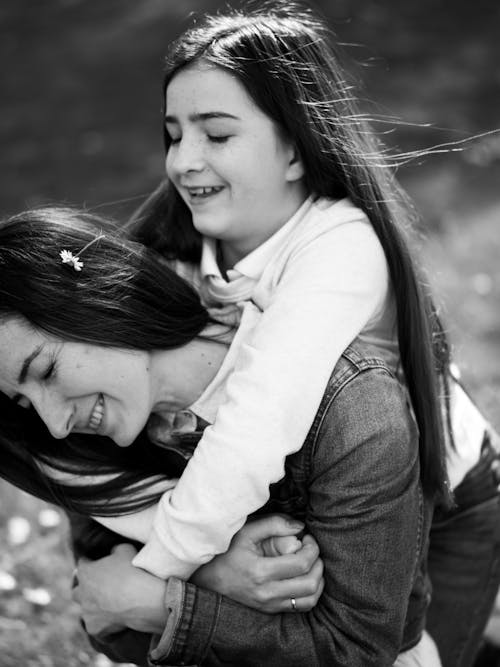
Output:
x=232 y=252
x=180 y=376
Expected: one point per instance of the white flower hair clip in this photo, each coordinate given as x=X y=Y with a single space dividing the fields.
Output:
x=67 y=256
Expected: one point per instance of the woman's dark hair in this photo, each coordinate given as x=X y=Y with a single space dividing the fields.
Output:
x=286 y=60
x=125 y=296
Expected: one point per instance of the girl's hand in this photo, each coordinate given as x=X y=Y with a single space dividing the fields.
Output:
x=246 y=574
x=279 y=545
x=114 y=594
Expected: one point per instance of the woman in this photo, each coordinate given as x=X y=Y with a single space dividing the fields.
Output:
x=70 y=334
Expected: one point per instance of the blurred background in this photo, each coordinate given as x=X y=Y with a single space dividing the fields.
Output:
x=80 y=122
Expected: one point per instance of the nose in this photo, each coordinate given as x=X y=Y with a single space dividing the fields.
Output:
x=187 y=155
x=56 y=415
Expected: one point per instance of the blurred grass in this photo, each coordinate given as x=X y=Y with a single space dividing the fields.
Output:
x=43 y=633
x=81 y=122
x=464 y=267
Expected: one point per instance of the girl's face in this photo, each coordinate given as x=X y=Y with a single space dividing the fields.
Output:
x=75 y=387
x=239 y=177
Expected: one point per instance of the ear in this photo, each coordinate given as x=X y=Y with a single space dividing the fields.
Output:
x=295 y=169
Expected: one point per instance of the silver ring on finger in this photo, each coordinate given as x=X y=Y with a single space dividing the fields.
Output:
x=294 y=604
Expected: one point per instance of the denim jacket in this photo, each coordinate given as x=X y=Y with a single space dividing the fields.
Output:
x=355 y=483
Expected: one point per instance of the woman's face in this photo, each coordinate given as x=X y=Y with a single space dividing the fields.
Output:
x=236 y=173
x=75 y=387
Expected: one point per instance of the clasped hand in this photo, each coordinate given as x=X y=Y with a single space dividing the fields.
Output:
x=113 y=594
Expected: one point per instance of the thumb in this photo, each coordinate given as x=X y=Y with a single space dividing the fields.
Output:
x=280 y=545
x=270 y=526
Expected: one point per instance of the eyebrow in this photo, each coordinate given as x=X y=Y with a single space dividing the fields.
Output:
x=197 y=117
x=26 y=364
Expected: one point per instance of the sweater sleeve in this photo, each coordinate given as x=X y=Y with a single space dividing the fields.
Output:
x=136 y=525
x=328 y=291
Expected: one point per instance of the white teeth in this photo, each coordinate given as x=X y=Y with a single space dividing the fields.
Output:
x=97 y=414
x=196 y=192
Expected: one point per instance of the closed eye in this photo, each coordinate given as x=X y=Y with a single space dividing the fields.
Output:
x=50 y=371
x=218 y=139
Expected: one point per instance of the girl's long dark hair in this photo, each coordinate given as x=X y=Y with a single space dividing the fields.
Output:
x=125 y=296
x=286 y=61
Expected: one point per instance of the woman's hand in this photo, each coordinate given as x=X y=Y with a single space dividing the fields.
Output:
x=114 y=594
x=246 y=574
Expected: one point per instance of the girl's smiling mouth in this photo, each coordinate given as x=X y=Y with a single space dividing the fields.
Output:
x=95 y=419
x=203 y=192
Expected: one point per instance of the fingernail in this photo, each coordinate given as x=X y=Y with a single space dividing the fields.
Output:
x=295 y=524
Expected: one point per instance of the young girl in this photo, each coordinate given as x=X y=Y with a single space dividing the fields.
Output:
x=281 y=212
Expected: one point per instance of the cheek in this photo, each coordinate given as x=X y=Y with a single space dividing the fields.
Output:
x=243 y=174
x=252 y=170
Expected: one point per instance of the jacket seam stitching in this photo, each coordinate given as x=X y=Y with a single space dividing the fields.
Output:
x=338 y=385
x=212 y=629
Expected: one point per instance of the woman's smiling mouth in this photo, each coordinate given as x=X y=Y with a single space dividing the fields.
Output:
x=97 y=414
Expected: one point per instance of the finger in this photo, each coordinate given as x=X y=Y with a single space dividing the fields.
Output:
x=289 y=565
x=84 y=565
x=318 y=593
x=302 y=604
x=125 y=549
x=298 y=587
x=274 y=524
x=90 y=626
x=309 y=539
x=280 y=545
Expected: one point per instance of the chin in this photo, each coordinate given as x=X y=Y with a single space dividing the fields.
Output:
x=204 y=228
x=209 y=226
x=123 y=440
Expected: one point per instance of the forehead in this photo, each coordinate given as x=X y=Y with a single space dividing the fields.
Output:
x=17 y=340
x=202 y=87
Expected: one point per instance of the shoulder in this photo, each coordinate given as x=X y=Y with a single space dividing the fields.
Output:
x=365 y=403
x=336 y=234
x=360 y=362
x=334 y=213
x=332 y=226
x=340 y=209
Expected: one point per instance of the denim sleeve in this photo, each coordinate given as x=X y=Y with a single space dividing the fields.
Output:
x=365 y=511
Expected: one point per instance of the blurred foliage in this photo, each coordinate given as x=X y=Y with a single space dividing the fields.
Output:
x=81 y=87
x=39 y=624
x=80 y=90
